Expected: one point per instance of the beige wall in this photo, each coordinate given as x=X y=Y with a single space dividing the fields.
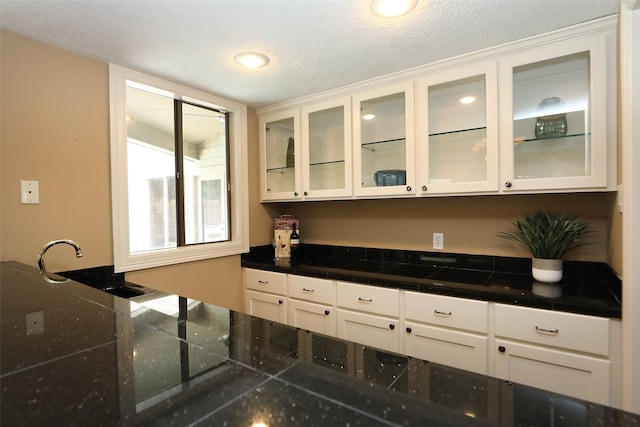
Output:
x=469 y=224
x=55 y=129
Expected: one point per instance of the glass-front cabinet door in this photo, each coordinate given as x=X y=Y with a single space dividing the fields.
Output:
x=383 y=141
x=280 y=155
x=457 y=139
x=554 y=123
x=326 y=149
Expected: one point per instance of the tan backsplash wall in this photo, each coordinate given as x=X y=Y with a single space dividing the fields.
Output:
x=469 y=224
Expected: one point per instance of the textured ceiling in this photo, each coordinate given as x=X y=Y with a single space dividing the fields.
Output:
x=314 y=45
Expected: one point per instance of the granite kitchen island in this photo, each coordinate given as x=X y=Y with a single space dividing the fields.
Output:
x=97 y=359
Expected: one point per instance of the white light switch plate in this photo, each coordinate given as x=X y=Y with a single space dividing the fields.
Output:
x=29 y=193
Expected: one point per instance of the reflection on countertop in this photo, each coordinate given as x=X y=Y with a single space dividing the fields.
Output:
x=169 y=360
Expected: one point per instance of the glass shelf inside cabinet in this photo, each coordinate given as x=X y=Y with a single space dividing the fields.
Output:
x=458 y=156
x=280 y=156
x=551 y=128
x=458 y=131
x=327 y=149
x=383 y=139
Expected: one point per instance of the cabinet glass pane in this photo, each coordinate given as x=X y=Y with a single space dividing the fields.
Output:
x=326 y=149
x=551 y=118
x=458 y=131
x=280 y=156
x=383 y=144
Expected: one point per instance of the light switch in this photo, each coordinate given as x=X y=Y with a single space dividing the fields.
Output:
x=29 y=193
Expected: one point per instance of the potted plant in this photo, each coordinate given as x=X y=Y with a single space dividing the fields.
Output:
x=548 y=237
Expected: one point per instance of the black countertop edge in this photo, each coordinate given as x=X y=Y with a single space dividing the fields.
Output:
x=587 y=288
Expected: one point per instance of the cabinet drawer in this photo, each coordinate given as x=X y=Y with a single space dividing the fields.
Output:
x=370 y=299
x=451 y=312
x=564 y=330
x=265 y=281
x=312 y=289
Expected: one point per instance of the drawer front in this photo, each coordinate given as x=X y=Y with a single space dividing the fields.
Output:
x=369 y=299
x=311 y=289
x=265 y=281
x=446 y=311
x=563 y=330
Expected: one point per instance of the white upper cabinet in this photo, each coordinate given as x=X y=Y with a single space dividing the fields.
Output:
x=540 y=116
x=326 y=150
x=457 y=120
x=383 y=141
x=557 y=117
x=280 y=155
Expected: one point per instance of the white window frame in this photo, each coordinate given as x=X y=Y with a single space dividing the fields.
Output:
x=238 y=170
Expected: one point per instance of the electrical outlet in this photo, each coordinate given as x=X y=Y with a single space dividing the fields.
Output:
x=438 y=240
x=35 y=322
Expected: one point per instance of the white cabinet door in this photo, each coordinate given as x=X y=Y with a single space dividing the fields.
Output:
x=312 y=317
x=377 y=331
x=266 y=306
x=557 y=116
x=562 y=372
x=383 y=141
x=280 y=176
x=326 y=150
x=457 y=141
x=458 y=349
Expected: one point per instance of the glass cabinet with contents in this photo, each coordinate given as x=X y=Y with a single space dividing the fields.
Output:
x=279 y=155
x=458 y=131
x=326 y=149
x=555 y=131
x=383 y=141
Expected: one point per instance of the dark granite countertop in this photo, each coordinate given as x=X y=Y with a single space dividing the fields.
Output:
x=587 y=287
x=164 y=360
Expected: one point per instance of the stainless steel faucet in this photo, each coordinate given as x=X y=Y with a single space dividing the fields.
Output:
x=43 y=270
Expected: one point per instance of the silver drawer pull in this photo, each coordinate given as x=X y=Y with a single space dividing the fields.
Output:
x=263 y=282
x=547 y=331
x=307 y=290
x=364 y=300
x=442 y=313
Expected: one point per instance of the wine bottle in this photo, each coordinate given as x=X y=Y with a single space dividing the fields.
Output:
x=294 y=243
x=290 y=153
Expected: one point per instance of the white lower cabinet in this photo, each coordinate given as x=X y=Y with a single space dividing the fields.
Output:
x=561 y=352
x=571 y=354
x=376 y=331
x=312 y=304
x=575 y=375
x=369 y=315
x=266 y=306
x=447 y=330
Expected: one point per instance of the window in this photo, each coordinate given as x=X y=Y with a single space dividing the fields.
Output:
x=179 y=162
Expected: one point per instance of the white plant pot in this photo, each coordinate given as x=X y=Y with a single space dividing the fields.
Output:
x=546 y=270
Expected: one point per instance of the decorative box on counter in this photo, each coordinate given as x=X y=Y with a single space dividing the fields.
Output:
x=282 y=235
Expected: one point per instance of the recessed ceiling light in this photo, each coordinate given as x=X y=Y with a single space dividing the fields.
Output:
x=468 y=99
x=392 y=8
x=251 y=59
